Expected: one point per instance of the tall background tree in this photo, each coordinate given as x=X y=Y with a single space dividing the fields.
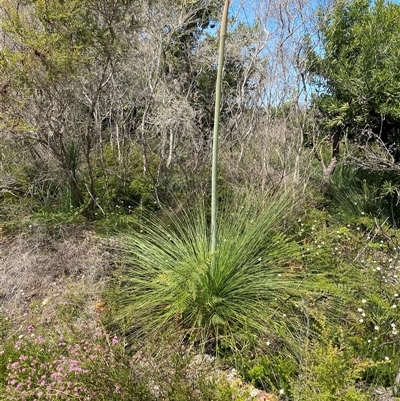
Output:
x=356 y=74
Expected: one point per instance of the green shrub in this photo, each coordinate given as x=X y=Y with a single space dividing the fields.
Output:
x=272 y=371
x=329 y=371
x=171 y=280
x=359 y=196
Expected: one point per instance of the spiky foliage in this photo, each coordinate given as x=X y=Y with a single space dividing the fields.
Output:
x=170 y=281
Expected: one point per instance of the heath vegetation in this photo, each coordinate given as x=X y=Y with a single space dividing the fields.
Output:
x=112 y=285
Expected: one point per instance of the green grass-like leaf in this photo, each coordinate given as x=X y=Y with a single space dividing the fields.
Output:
x=171 y=280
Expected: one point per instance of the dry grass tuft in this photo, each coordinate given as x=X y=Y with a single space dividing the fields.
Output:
x=39 y=266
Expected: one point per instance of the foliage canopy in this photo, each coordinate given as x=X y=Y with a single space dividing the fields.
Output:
x=357 y=71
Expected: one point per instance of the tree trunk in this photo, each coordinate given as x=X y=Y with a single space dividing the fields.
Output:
x=327 y=171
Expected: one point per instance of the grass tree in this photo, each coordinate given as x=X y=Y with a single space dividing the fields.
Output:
x=182 y=274
x=173 y=282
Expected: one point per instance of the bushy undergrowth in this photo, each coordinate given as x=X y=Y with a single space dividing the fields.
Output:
x=354 y=191
x=330 y=371
x=64 y=363
x=363 y=261
x=304 y=305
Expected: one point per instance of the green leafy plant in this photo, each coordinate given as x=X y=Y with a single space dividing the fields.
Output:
x=375 y=334
x=353 y=198
x=273 y=371
x=357 y=78
x=363 y=263
x=329 y=370
x=170 y=282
